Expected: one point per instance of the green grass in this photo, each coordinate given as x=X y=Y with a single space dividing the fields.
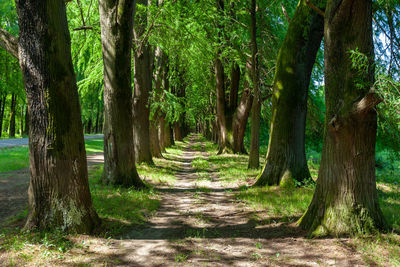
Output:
x=278 y=202
x=16 y=158
x=233 y=168
x=158 y=173
x=200 y=164
x=120 y=208
x=94 y=146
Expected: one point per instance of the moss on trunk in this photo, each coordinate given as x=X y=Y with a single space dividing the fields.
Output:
x=286 y=156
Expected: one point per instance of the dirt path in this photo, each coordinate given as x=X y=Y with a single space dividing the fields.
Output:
x=207 y=227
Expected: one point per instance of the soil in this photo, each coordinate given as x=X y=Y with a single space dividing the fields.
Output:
x=196 y=225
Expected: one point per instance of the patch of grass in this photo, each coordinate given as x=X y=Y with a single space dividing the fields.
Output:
x=383 y=249
x=200 y=164
x=181 y=257
x=177 y=149
x=232 y=168
x=159 y=173
x=94 y=146
x=16 y=158
x=120 y=208
x=276 y=201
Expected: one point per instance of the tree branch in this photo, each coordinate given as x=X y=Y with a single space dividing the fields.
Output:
x=315 y=8
x=369 y=101
x=83 y=28
x=9 y=42
x=285 y=12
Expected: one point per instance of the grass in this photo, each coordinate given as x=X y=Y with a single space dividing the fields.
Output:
x=120 y=208
x=16 y=158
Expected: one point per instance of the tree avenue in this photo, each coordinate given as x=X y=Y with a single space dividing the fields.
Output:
x=249 y=76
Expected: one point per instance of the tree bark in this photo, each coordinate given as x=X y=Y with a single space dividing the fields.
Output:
x=154 y=141
x=2 y=108
x=254 y=157
x=345 y=199
x=286 y=157
x=116 y=20
x=240 y=120
x=26 y=129
x=59 y=196
x=143 y=84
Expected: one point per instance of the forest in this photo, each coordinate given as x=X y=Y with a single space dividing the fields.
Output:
x=200 y=133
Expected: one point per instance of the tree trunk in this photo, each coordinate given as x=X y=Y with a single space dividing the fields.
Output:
x=154 y=141
x=345 y=199
x=178 y=134
x=11 y=129
x=116 y=20
x=96 y=127
x=240 y=120
x=220 y=86
x=254 y=157
x=21 y=122
x=59 y=196
x=26 y=129
x=286 y=157
x=143 y=84
x=2 y=108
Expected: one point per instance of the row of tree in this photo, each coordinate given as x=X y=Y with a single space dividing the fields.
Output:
x=204 y=66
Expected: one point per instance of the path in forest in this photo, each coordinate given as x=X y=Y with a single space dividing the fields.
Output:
x=195 y=226
x=207 y=227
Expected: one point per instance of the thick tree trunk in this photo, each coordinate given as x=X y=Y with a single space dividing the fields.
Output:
x=59 y=196
x=345 y=199
x=116 y=20
x=220 y=86
x=254 y=157
x=286 y=157
x=154 y=141
x=240 y=120
x=143 y=84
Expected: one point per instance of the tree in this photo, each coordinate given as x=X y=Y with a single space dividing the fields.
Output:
x=59 y=195
x=116 y=20
x=254 y=157
x=143 y=85
x=11 y=129
x=286 y=157
x=345 y=199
